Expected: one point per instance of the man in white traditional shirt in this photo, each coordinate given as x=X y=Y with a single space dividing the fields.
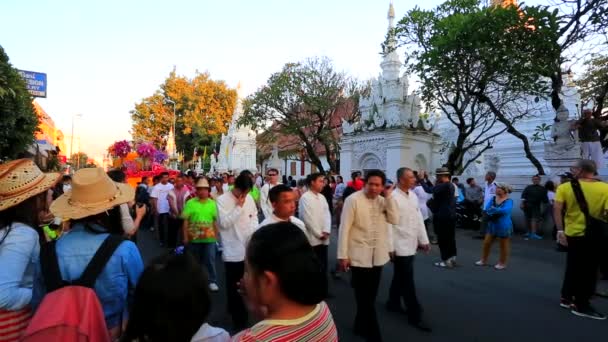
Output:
x=364 y=245
x=237 y=220
x=283 y=201
x=314 y=211
x=408 y=236
x=273 y=180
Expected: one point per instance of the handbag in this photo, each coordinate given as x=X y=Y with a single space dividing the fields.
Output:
x=595 y=228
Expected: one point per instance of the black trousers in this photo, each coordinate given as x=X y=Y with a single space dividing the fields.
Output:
x=446 y=237
x=365 y=282
x=321 y=252
x=163 y=228
x=582 y=264
x=403 y=287
x=236 y=306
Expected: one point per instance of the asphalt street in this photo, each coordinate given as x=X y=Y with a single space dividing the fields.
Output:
x=469 y=303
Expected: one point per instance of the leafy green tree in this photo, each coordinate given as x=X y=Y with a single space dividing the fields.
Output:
x=302 y=101
x=203 y=110
x=593 y=86
x=469 y=55
x=18 y=120
x=79 y=160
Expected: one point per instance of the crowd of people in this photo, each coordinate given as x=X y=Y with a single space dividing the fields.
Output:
x=71 y=266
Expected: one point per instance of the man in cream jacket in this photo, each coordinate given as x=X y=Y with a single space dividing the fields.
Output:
x=408 y=235
x=364 y=245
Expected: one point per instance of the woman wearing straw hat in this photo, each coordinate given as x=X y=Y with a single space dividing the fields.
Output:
x=93 y=206
x=499 y=226
x=23 y=192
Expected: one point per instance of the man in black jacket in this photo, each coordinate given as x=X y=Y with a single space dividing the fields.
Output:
x=443 y=206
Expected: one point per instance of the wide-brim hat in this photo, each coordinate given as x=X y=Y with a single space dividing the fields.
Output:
x=93 y=192
x=21 y=179
x=202 y=183
x=443 y=171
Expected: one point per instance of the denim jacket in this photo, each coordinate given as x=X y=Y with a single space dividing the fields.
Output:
x=18 y=257
x=114 y=286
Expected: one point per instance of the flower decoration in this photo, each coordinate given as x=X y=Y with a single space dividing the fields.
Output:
x=121 y=148
x=160 y=156
x=146 y=150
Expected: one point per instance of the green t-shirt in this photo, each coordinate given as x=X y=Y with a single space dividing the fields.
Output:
x=255 y=194
x=200 y=217
x=596 y=194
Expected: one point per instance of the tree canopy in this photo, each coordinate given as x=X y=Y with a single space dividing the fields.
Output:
x=19 y=121
x=470 y=56
x=305 y=100
x=203 y=109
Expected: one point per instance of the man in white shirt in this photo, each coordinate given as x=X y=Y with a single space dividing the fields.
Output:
x=237 y=220
x=314 y=211
x=273 y=180
x=363 y=246
x=283 y=201
x=161 y=208
x=407 y=236
x=489 y=190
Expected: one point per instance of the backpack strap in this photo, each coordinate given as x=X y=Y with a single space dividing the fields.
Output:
x=50 y=267
x=580 y=198
x=99 y=261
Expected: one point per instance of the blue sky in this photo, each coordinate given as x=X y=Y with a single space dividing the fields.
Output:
x=103 y=56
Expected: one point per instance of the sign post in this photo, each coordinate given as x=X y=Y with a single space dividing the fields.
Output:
x=35 y=82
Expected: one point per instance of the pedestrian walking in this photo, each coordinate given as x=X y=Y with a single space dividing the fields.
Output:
x=177 y=200
x=172 y=303
x=284 y=286
x=500 y=226
x=443 y=206
x=273 y=180
x=583 y=230
x=237 y=220
x=161 y=208
x=314 y=211
x=199 y=229
x=533 y=198
x=283 y=200
x=363 y=247
x=23 y=191
x=408 y=236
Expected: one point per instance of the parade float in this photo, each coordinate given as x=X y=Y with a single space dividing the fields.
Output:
x=139 y=160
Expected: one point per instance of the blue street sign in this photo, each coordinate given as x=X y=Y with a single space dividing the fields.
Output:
x=35 y=82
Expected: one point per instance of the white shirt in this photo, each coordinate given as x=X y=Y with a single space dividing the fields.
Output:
x=274 y=219
x=551 y=197
x=410 y=232
x=489 y=192
x=423 y=197
x=225 y=187
x=235 y=225
x=160 y=192
x=314 y=211
x=265 y=201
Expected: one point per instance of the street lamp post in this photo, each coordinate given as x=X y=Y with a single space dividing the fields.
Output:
x=72 y=137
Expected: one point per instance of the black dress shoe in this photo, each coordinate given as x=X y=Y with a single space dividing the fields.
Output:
x=421 y=325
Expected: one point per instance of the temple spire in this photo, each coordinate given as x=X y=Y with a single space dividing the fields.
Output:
x=391 y=16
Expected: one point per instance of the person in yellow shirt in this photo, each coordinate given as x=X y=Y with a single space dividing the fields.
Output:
x=583 y=258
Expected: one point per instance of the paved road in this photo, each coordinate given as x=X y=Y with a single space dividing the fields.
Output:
x=466 y=304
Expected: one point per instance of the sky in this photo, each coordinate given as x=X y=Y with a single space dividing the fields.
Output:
x=101 y=57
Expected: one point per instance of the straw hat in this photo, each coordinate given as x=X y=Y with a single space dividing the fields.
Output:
x=202 y=183
x=93 y=192
x=21 y=179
